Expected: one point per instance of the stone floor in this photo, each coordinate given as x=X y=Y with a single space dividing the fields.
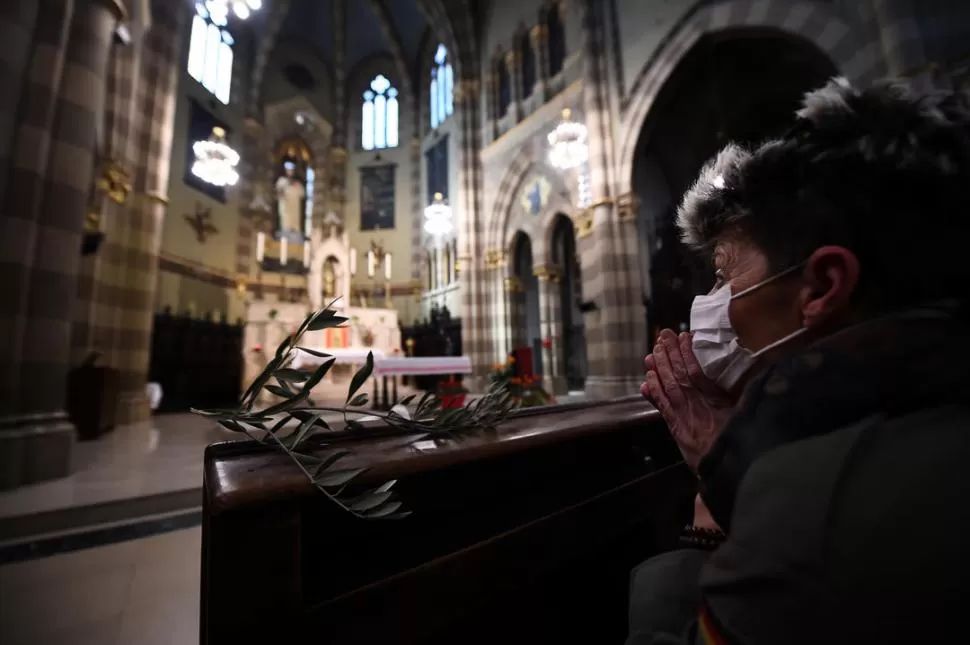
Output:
x=143 y=592
x=160 y=456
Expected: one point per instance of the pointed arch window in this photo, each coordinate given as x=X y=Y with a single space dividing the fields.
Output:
x=528 y=57
x=210 y=50
x=441 y=100
x=504 y=87
x=557 y=39
x=308 y=209
x=379 y=115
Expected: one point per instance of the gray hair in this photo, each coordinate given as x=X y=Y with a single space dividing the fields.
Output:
x=884 y=171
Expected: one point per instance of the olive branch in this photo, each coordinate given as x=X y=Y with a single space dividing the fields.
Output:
x=307 y=444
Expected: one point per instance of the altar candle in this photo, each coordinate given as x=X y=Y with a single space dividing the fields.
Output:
x=353 y=262
x=283 y=251
x=260 y=246
x=387 y=266
x=370 y=264
x=306 y=254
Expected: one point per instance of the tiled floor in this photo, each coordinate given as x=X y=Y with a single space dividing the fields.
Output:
x=163 y=455
x=159 y=456
x=141 y=592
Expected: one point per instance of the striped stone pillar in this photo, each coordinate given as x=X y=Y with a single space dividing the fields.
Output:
x=550 y=323
x=50 y=173
x=471 y=234
x=17 y=20
x=160 y=70
x=615 y=329
x=97 y=310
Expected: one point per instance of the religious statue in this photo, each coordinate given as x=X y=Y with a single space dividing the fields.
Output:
x=290 y=194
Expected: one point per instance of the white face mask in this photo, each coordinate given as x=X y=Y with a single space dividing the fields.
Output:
x=715 y=342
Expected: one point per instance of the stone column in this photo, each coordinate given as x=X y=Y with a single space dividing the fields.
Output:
x=539 y=37
x=152 y=149
x=49 y=178
x=549 y=324
x=17 y=21
x=611 y=279
x=474 y=317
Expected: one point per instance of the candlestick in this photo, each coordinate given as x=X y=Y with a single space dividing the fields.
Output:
x=387 y=266
x=283 y=251
x=260 y=246
x=370 y=264
x=353 y=262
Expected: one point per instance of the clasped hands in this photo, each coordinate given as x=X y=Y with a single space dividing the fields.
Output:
x=693 y=406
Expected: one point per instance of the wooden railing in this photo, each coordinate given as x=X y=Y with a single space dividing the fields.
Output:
x=524 y=535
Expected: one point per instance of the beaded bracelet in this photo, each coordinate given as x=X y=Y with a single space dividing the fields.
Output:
x=700 y=538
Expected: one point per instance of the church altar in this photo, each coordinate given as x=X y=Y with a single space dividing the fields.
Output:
x=367 y=330
x=421 y=365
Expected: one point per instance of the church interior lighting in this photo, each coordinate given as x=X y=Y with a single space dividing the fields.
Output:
x=215 y=160
x=437 y=217
x=567 y=143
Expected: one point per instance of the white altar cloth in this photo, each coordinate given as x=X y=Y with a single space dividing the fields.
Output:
x=421 y=365
x=341 y=355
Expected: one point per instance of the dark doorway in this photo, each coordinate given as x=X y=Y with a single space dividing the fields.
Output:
x=572 y=333
x=741 y=86
x=529 y=333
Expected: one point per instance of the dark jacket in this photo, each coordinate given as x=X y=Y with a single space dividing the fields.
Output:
x=843 y=482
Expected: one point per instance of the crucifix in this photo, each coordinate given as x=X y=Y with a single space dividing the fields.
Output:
x=201 y=223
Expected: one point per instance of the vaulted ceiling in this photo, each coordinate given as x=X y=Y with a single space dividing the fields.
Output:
x=312 y=22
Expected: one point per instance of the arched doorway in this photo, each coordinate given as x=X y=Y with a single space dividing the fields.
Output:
x=527 y=331
x=572 y=335
x=739 y=85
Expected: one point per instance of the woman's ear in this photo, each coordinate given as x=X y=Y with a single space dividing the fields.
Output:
x=831 y=276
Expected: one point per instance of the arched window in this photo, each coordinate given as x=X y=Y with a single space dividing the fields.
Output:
x=557 y=39
x=308 y=209
x=210 y=49
x=441 y=98
x=528 y=65
x=504 y=88
x=379 y=115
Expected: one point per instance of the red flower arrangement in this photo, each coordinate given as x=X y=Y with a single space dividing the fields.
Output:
x=451 y=393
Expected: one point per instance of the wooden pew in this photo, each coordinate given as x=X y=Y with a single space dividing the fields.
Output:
x=526 y=535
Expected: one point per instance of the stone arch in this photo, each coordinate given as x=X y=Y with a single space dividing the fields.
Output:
x=507 y=216
x=814 y=22
x=272 y=25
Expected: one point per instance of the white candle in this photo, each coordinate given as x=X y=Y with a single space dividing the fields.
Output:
x=306 y=254
x=370 y=264
x=353 y=262
x=260 y=246
x=283 y=251
x=387 y=266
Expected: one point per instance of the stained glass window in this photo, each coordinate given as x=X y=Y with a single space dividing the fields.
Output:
x=210 y=50
x=379 y=115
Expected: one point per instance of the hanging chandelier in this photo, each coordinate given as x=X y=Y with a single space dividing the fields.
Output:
x=219 y=9
x=437 y=217
x=568 y=147
x=215 y=161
